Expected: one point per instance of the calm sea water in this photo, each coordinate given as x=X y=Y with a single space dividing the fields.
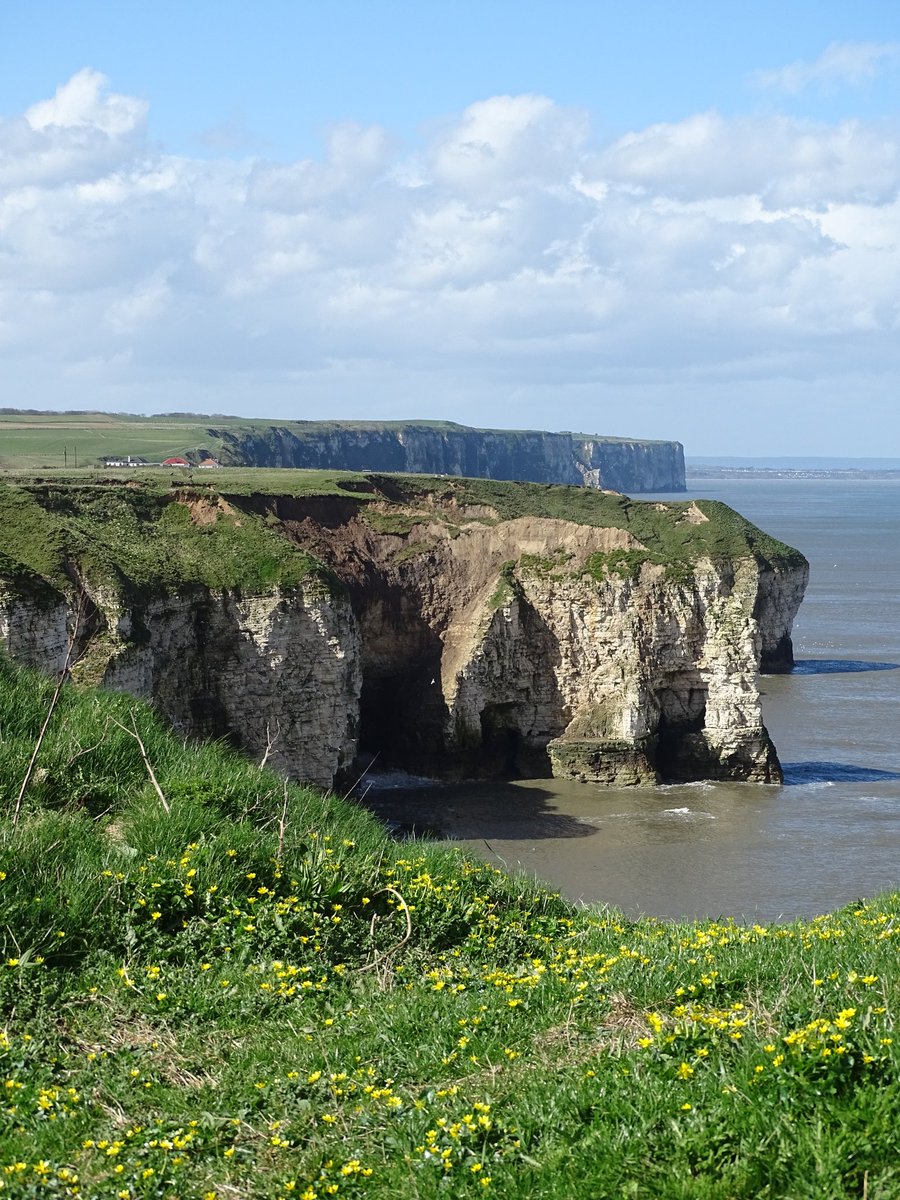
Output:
x=830 y=835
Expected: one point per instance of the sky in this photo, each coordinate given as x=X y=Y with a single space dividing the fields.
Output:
x=657 y=220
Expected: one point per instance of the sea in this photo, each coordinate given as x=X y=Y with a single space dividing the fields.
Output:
x=755 y=853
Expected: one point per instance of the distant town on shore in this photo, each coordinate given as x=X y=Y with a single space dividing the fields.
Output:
x=792 y=468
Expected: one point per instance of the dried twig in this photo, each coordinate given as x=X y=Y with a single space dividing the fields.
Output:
x=282 y=824
x=270 y=743
x=356 y=783
x=82 y=752
x=132 y=732
x=381 y=959
x=57 y=691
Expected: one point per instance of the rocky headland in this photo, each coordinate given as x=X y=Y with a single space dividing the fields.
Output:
x=444 y=448
x=453 y=627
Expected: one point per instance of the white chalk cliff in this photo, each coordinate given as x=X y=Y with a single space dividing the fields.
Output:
x=455 y=642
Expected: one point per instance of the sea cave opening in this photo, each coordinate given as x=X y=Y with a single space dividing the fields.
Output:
x=682 y=717
x=501 y=741
x=401 y=712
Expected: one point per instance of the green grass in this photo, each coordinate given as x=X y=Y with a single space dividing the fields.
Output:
x=662 y=529
x=42 y=440
x=143 y=538
x=228 y=1001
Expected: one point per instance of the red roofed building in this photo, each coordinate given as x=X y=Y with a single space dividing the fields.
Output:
x=175 y=462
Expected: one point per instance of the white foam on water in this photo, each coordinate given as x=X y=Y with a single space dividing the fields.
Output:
x=702 y=784
x=688 y=812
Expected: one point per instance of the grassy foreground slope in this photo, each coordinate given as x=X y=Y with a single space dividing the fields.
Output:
x=258 y=994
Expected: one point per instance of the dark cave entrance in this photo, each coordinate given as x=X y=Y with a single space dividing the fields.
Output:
x=680 y=746
x=402 y=725
x=401 y=714
x=506 y=752
x=501 y=741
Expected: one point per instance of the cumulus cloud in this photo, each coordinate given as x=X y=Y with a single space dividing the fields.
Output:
x=780 y=159
x=508 y=142
x=86 y=102
x=840 y=62
x=355 y=158
x=83 y=131
x=504 y=271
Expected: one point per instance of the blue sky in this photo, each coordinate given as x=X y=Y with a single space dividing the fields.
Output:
x=657 y=221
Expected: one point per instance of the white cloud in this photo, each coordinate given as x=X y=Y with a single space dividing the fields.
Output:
x=508 y=142
x=85 y=101
x=356 y=157
x=84 y=131
x=141 y=305
x=784 y=161
x=840 y=62
x=502 y=264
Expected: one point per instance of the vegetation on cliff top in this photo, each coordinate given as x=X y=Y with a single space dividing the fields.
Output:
x=258 y=994
x=31 y=440
x=222 y=532
x=142 y=538
x=665 y=529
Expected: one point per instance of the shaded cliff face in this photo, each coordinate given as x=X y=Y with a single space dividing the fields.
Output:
x=451 y=627
x=278 y=672
x=620 y=464
x=179 y=598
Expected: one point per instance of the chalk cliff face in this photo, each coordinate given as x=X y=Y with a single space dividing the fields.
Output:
x=492 y=648
x=279 y=671
x=622 y=464
x=625 y=681
x=456 y=641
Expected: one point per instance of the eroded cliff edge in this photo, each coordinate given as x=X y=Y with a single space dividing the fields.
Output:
x=450 y=626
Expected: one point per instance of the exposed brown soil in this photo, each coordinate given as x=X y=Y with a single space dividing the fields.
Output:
x=204 y=510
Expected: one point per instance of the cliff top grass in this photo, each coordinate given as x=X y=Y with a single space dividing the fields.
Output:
x=141 y=538
x=257 y=995
x=63 y=441
x=666 y=529
x=164 y=530
x=313 y=428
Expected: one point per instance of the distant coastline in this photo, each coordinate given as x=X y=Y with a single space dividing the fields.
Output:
x=694 y=472
x=727 y=467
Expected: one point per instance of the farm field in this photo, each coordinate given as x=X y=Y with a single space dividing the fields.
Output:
x=67 y=440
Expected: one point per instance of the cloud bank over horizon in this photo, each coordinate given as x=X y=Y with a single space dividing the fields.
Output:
x=718 y=279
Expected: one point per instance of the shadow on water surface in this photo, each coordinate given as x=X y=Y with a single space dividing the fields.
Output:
x=837 y=666
x=498 y=810
x=798 y=773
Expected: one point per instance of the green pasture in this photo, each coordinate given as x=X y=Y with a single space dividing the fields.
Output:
x=38 y=441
